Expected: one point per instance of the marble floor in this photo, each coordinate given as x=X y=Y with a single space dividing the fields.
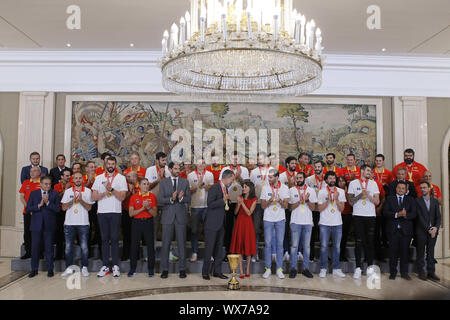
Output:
x=16 y=285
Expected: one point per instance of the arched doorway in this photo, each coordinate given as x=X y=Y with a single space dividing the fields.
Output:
x=445 y=168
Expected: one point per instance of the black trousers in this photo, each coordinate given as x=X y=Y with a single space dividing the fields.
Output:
x=364 y=236
x=213 y=247
x=346 y=225
x=59 y=234
x=94 y=230
x=398 y=248
x=380 y=240
x=142 y=228
x=126 y=234
x=425 y=243
x=287 y=232
x=27 y=233
x=314 y=234
x=229 y=225
x=109 y=228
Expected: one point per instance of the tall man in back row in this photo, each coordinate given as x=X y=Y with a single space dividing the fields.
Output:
x=174 y=196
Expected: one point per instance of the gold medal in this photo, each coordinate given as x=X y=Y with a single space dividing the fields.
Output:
x=109 y=194
x=75 y=211
x=234 y=188
x=302 y=207
x=226 y=206
x=332 y=210
x=200 y=192
x=274 y=208
x=364 y=202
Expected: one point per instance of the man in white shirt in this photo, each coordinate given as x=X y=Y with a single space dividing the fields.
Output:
x=317 y=183
x=154 y=175
x=200 y=181
x=259 y=176
x=77 y=201
x=364 y=196
x=331 y=201
x=274 y=201
x=234 y=190
x=109 y=189
x=302 y=201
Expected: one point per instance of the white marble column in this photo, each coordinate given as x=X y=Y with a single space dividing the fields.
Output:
x=35 y=133
x=410 y=128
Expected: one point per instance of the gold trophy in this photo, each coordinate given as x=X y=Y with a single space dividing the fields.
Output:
x=233 y=260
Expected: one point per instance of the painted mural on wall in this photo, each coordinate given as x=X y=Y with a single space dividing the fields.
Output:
x=146 y=127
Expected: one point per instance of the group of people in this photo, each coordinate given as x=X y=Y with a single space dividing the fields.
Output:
x=296 y=205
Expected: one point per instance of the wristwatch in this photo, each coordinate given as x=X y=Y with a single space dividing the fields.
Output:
x=112 y=189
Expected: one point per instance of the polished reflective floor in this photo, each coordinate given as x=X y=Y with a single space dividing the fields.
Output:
x=16 y=285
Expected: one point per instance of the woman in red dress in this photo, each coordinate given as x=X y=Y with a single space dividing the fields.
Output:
x=243 y=240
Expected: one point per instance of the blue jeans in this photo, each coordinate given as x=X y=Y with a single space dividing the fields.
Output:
x=336 y=235
x=300 y=237
x=269 y=228
x=274 y=244
x=196 y=215
x=83 y=235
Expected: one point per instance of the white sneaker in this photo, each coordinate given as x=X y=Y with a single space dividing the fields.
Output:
x=357 y=273
x=85 y=272
x=371 y=273
x=300 y=256
x=194 y=257
x=103 y=271
x=286 y=257
x=338 y=273
x=116 y=271
x=212 y=259
x=267 y=273
x=172 y=257
x=274 y=257
x=67 y=272
x=323 y=273
x=253 y=259
x=280 y=273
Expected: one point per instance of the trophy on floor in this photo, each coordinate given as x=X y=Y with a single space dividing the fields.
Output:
x=233 y=260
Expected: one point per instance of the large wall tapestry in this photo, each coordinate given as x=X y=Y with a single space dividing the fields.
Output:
x=146 y=127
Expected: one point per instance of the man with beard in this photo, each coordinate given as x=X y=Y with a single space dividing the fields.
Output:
x=331 y=201
x=435 y=192
x=76 y=202
x=274 y=201
x=61 y=187
x=302 y=201
x=259 y=177
x=288 y=179
x=215 y=168
x=174 y=196
x=104 y=157
x=35 y=159
x=110 y=189
x=364 y=196
x=351 y=171
x=218 y=204
x=316 y=183
x=303 y=165
x=56 y=172
x=331 y=166
x=399 y=210
x=414 y=169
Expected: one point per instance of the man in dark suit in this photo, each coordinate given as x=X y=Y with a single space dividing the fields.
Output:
x=218 y=202
x=43 y=206
x=427 y=228
x=401 y=176
x=57 y=171
x=174 y=196
x=35 y=159
x=399 y=211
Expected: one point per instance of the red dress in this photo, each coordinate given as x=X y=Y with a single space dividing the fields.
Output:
x=244 y=238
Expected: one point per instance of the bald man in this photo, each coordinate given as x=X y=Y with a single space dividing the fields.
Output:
x=434 y=189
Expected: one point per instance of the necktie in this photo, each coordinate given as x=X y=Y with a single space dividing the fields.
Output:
x=174 y=184
x=400 y=202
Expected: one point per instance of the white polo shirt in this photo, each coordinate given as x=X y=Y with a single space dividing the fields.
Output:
x=81 y=218
x=278 y=214
x=316 y=185
x=110 y=204
x=199 y=197
x=259 y=177
x=328 y=218
x=302 y=215
x=284 y=178
x=360 y=209
x=152 y=175
x=235 y=188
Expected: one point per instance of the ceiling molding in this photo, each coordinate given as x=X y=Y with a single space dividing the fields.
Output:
x=138 y=71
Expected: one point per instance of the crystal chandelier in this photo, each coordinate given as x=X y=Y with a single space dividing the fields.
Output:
x=229 y=48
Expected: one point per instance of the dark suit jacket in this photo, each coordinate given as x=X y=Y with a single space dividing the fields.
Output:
x=427 y=219
x=44 y=215
x=411 y=191
x=391 y=207
x=25 y=174
x=176 y=210
x=56 y=175
x=215 y=213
